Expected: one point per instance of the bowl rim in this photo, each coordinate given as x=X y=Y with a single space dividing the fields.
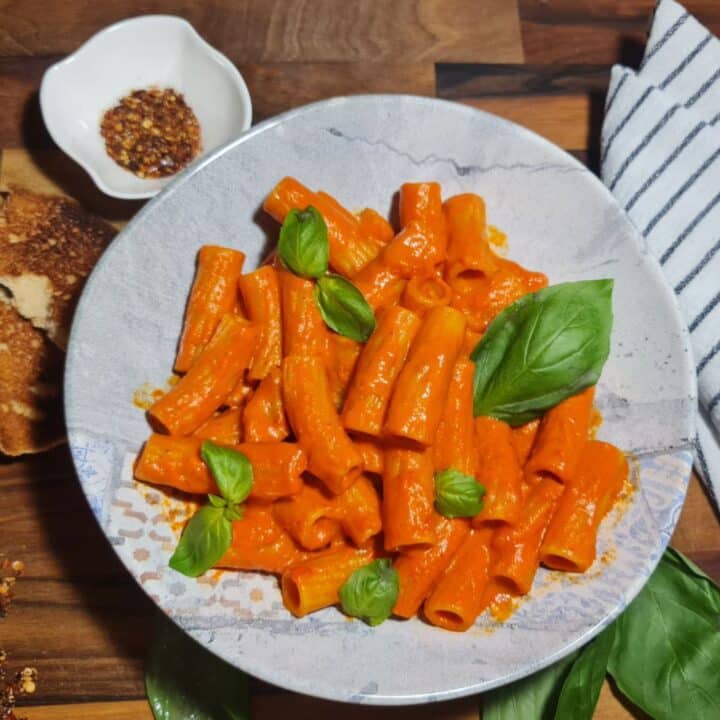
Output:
x=633 y=588
x=49 y=76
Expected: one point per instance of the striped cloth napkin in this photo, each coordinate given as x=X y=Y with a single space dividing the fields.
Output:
x=659 y=154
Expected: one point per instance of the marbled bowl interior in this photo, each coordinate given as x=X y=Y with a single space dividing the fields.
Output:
x=559 y=219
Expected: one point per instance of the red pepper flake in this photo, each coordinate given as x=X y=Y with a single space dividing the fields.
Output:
x=153 y=133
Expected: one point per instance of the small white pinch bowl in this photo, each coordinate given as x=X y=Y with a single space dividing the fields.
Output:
x=147 y=51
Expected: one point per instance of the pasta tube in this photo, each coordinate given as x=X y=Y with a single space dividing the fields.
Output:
x=223 y=428
x=307 y=516
x=469 y=254
x=315 y=583
x=409 y=516
x=213 y=294
x=562 y=435
x=570 y=540
x=376 y=227
x=372 y=452
x=420 y=390
x=332 y=457
x=420 y=568
x=261 y=297
x=454 y=445
x=259 y=543
x=344 y=353
x=349 y=250
x=303 y=329
x=241 y=393
x=458 y=597
x=523 y=439
x=377 y=368
x=358 y=511
x=421 y=202
x=209 y=381
x=176 y=462
x=424 y=292
x=517 y=547
x=498 y=471
x=264 y=414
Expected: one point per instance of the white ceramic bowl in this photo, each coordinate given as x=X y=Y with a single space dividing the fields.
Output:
x=151 y=50
x=559 y=219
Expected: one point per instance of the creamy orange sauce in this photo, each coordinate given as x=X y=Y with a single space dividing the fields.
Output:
x=147 y=394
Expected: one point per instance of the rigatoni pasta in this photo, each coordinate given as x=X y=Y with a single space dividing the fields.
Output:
x=353 y=430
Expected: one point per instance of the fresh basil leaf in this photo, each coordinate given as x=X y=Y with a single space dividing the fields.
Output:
x=217 y=501
x=532 y=698
x=184 y=681
x=542 y=349
x=705 y=583
x=344 y=308
x=581 y=689
x=233 y=512
x=371 y=592
x=303 y=245
x=666 y=656
x=204 y=541
x=230 y=469
x=457 y=495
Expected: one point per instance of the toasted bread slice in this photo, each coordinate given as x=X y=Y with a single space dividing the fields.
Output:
x=31 y=418
x=48 y=246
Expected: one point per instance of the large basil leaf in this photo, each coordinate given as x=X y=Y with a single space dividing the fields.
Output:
x=204 y=541
x=581 y=689
x=542 y=349
x=666 y=656
x=532 y=698
x=186 y=682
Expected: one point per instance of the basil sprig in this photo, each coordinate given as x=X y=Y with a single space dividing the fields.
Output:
x=183 y=680
x=303 y=245
x=581 y=689
x=666 y=656
x=304 y=249
x=208 y=535
x=542 y=349
x=663 y=653
x=532 y=698
x=344 y=308
x=457 y=495
x=371 y=592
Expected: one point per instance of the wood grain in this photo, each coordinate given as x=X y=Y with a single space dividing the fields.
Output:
x=277 y=87
x=77 y=615
x=131 y=710
x=456 y=81
x=288 y=30
x=281 y=707
x=595 y=31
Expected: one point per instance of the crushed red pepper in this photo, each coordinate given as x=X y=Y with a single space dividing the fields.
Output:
x=153 y=133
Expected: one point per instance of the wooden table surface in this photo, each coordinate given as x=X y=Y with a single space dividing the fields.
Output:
x=78 y=617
